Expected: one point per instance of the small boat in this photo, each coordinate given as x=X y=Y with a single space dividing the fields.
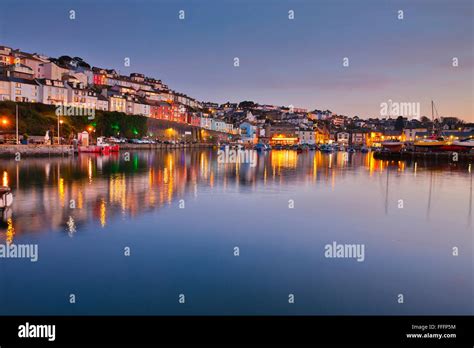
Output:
x=392 y=146
x=325 y=148
x=89 y=149
x=466 y=143
x=101 y=147
x=431 y=144
x=434 y=142
x=6 y=197
x=455 y=147
x=105 y=147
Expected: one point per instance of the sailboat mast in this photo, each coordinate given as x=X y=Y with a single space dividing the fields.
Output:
x=432 y=116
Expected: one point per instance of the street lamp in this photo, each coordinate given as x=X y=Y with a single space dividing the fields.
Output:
x=59 y=123
x=17 y=140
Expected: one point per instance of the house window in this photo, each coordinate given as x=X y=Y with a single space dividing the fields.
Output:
x=18 y=92
x=18 y=85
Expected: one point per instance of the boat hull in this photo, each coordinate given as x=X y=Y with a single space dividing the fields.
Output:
x=455 y=148
x=393 y=147
x=98 y=149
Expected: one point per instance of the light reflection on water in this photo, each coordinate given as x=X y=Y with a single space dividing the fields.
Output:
x=83 y=212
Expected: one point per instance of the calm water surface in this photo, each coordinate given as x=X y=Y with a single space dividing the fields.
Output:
x=190 y=251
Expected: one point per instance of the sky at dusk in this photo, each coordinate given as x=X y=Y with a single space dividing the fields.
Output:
x=282 y=61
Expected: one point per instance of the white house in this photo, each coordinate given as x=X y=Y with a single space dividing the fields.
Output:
x=20 y=90
x=342 y=138
x=218 y=125
x=135 y=106
x=51 y=71
x=206 y=122
x=306 y=136
x=117 y=103
x=79 y=95
x=102 y=103
x=52 y=91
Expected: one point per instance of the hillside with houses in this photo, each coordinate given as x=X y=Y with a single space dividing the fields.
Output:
x=70 y=81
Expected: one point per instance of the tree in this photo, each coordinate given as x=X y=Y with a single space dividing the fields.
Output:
x=399 y=123
x=246 y=104
x=424 y=119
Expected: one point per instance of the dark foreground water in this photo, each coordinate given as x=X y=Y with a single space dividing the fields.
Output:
x=84 y=212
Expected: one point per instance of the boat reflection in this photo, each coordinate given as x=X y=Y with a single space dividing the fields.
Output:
x=65 y=193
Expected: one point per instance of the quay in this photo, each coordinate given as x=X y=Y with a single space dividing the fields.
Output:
x=35 y=150
x=41 y=150
x=431 y=156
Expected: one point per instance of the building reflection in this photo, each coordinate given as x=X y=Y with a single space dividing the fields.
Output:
x=65 y=193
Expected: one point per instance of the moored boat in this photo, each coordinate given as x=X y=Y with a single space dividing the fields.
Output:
x=326 y=148
x=430 y=144
x=392 y=146
x=434 y=142
x=89 y=148
x=466 y=143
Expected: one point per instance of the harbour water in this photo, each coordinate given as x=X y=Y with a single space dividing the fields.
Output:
x=181 y=215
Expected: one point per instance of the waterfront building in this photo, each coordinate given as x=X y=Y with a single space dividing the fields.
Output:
x=409 y=134
x=117 y=89
x=52 y=92
x=218 y=125
x=306 y=136
x=117 y=103
x=195 y=120
x=375 y=139
x=206 y=122
x=359 y=138
x=321 y=135
x=51 y=71
x=343 y=138
x=160 y=110
x=41 y=66
x=392 y=135
x=79 y=95
x=20 y=71
x=337 y=121
x=178 y=113
x=136 y=106
x=6 y=56
x=151 y=95
x=17 y=89
x=102 y=103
